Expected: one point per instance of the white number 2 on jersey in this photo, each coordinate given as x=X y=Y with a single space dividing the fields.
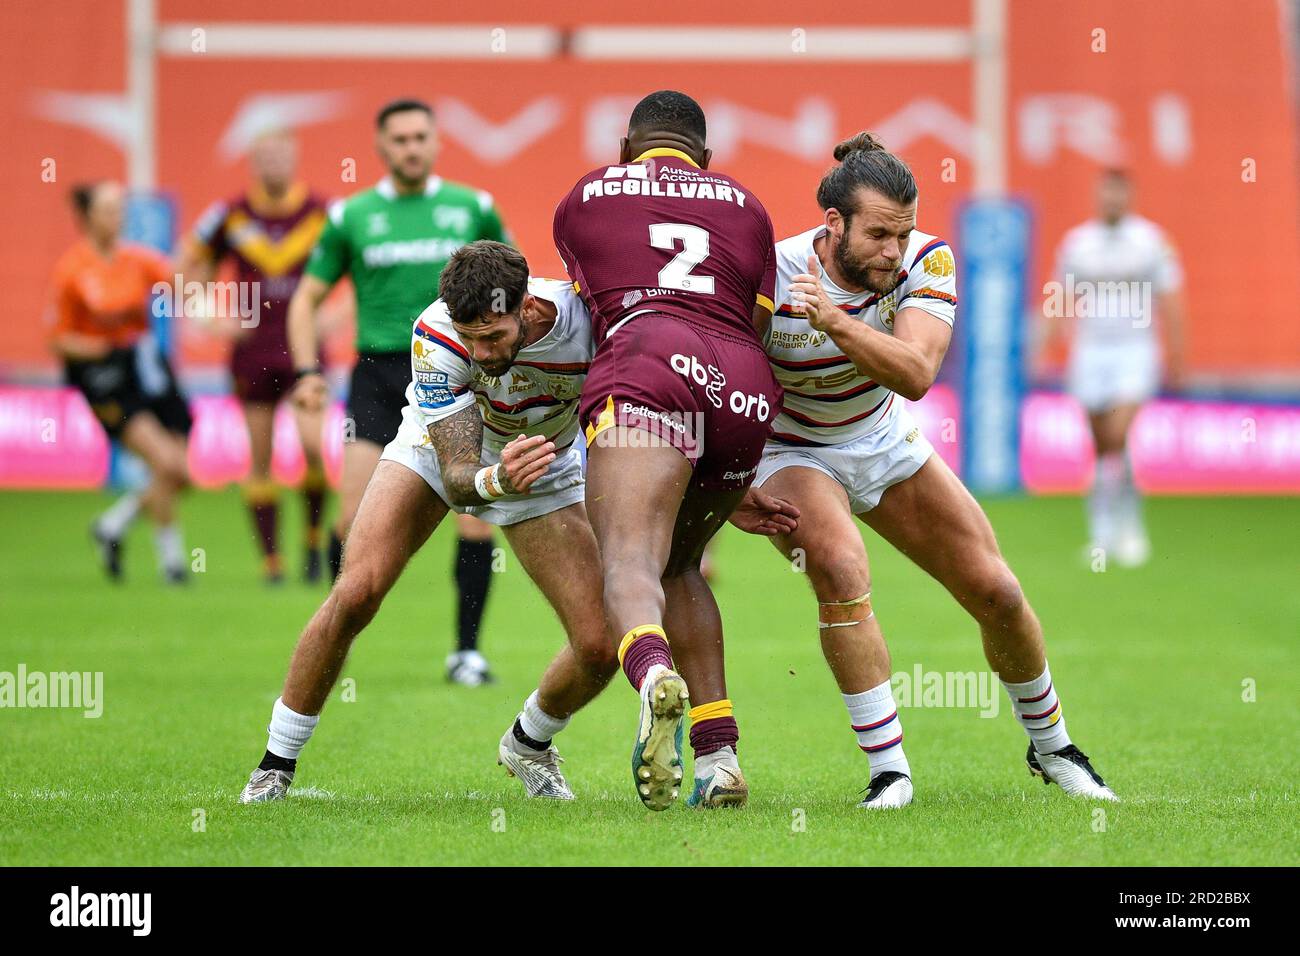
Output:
x=695 y=249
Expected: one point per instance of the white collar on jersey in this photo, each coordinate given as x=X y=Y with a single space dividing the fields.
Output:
x=386 y=188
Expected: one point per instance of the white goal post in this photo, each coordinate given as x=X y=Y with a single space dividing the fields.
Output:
x=982 y=44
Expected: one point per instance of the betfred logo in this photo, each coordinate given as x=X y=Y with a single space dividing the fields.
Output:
x=742 y=403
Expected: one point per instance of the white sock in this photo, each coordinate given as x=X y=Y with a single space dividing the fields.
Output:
x=1128 y=502
x=114 y=522
x=1038 y=709
x=875 y=720
x=706 y=764
x=652 y=672
x=171 y=550
x=289 y=731
x=1106 y=490
x=537 y=723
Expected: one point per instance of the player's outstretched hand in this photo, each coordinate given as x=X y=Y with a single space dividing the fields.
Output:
x=310 y=392
x=808 y=296
x=760 y=513
x=524 y=460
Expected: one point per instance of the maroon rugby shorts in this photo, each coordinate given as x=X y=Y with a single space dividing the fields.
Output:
x=708 y=394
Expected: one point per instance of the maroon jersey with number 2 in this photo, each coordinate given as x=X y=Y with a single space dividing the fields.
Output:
x=671 y=260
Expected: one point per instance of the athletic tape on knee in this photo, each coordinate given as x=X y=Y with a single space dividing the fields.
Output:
x=857 y=606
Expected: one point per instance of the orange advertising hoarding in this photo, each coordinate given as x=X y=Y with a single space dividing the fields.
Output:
x=1191 y=96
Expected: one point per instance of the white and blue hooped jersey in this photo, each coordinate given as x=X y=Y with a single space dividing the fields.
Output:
x=537 y=396
x=827 y=401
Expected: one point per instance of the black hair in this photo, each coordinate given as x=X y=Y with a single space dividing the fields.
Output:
x=404 y=105
x=481 y=278
x=83 y=196
x=668 y=111
x=864 y=164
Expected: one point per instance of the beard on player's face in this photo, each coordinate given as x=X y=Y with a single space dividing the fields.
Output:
x=495 y=355
x=874 y=273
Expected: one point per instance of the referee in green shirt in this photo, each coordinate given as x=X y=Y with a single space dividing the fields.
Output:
x=394 y=241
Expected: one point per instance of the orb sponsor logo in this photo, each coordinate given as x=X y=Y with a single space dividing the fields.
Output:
x=713 y=381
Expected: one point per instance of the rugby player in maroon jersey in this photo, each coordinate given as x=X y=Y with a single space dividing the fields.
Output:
x=677 y=266
x=268 y=233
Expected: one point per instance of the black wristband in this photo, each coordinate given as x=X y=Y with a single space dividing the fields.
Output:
x=309 y=370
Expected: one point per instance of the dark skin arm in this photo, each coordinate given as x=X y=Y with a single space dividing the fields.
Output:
x=762 y=319
x=458 y=442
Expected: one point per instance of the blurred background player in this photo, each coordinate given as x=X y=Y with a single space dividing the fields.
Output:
x=103 y=289
x=394 y=240
x=1118 y=271
x=268 y=231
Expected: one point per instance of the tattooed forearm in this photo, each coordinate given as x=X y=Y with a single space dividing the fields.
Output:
x=458 y=440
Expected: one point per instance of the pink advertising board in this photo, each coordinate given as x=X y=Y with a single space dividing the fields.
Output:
x=49 y=439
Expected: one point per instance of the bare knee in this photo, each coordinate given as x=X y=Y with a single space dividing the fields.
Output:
x=994 y=595
x=174 y=469
x=629 y=571
x=594 y=651
x=837 y=573
x=357 y=596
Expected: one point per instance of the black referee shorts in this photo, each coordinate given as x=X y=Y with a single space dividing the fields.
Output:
x=377 y=394
x=129 y=381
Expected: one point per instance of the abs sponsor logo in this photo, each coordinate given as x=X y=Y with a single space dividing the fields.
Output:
x=742 y=403
x=739 y=475
x=710 y=376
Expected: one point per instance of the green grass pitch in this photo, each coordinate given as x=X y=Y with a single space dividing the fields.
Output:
x=1152 y=666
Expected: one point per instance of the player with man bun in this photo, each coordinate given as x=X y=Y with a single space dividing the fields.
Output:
x=865 y=304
